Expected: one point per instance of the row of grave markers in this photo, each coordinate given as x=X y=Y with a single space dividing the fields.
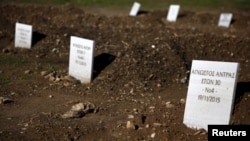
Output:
x=211 y=89
x=81 y=52
x=24 y=32
x=224 y=20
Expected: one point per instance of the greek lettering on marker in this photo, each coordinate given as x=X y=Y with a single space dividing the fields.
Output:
x=203 y=72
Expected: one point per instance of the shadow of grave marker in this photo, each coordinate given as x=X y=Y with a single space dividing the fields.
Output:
x=102 y=61
x=36 y=37
x=142 y=12
x=241 y=89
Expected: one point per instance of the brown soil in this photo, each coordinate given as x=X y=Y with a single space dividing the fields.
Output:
x=132 y=81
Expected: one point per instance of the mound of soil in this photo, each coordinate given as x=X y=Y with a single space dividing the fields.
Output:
x=140 y=78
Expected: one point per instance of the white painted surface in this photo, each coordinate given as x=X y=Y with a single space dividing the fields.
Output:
x=135 y=8
x=173 y=12
x=225 y=19
x=81 y=59
x=23 y=35
x=211 y=93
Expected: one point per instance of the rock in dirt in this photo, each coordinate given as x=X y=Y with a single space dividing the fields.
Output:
x=169 y=105
x=44 y=73
x=152 y=135
x=131 y=116
x=130 y=125
x=79 y=110
x=27 y=71
x=6 y=50
x=4 y=100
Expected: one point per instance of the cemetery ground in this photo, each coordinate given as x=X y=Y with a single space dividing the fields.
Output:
x=140 y=73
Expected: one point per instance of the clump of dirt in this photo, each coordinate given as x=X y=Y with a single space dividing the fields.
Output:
x=140 y=78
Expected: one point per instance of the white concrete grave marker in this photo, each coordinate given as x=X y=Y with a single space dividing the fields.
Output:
x=23 y=35
x=225 y=19
x=81 y=59
x=211 y=93
x=135 y=8
x=173 y=12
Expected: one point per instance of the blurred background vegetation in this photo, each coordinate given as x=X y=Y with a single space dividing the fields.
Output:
x=152 y=4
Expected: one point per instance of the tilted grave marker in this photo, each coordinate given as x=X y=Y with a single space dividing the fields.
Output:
x=225 y=19
x=211 y=93
x=173 y=13
x=135 y=8
x=23 y=35
x=81 y=59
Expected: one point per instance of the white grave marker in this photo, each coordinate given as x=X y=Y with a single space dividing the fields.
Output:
x=135 y=8
x=173 y=13
x=23 y=35
x=225 y=19
x=81 y=59
x=211 y=93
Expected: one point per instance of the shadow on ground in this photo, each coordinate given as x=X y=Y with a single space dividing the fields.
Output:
x=102 y=61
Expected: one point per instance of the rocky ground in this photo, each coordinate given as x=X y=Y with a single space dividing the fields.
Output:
x=140 y=77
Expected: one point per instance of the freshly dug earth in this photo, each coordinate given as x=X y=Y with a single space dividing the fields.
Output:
x=141 y=72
